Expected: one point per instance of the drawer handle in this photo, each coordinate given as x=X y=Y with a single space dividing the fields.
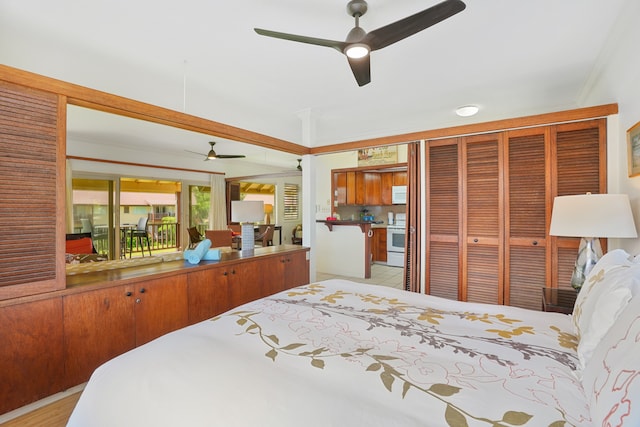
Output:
x=475 y=240
x=128 y=294
x=143 y=290
x=535 y=243
x=225 y=273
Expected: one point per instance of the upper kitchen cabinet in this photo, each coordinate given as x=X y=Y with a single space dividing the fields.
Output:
x=369 y=186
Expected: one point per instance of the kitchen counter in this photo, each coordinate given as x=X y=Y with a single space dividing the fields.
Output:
x=364 y=225
x=343 y=247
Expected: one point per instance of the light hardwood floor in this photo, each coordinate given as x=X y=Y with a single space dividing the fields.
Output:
x=55 y=414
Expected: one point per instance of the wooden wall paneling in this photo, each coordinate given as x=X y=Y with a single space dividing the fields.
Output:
x=483 y=208
x=526 y=220
x=442 y=218
x=31 y=356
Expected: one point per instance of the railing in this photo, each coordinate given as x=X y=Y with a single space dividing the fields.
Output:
x=162 y=236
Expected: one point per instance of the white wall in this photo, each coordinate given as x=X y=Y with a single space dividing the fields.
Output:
x=617 y=79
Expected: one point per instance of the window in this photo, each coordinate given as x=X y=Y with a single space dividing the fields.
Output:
x=290 y=201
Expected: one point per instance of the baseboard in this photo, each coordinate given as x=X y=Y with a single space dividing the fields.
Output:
x=40 y=403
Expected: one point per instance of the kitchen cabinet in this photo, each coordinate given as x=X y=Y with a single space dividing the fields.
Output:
x=362 y=187
x=31 y=355
x=101 y=324
x=379 y=244
x=489 y=201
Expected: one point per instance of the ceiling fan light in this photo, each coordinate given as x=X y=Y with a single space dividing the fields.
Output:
x=357 y=50
x=467 y=110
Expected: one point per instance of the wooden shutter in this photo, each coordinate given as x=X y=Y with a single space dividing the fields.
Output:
x=526 y=184
x=580 y=154
x=443 y=220
x=482 y=279
x=32 y=189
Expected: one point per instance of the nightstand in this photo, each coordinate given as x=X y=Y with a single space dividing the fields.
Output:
x=558 y=300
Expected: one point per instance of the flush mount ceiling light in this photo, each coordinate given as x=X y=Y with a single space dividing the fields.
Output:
x=467 y=110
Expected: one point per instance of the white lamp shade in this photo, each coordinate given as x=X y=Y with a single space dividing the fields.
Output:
x=247 y=210
x=592 y=215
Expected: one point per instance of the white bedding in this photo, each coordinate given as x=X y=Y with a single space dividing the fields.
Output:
x=338 y=353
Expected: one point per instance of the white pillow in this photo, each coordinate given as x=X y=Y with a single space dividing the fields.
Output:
x=611 y=379
x=612 y=259
x=605 y=294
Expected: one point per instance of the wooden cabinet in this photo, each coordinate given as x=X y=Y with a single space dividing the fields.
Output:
x=489 y=200
x=361 y=187
x=379 y=245
x=104 y=323
x=207 y=297
x=31 y=353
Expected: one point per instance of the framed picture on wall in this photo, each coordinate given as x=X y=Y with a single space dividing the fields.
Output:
x=633 y=149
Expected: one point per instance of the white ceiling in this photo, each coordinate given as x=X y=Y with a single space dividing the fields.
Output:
x=510 y=57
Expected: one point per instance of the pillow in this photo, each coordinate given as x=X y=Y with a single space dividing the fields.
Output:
x=607 y=290
x=80 y=246
x=611 y=379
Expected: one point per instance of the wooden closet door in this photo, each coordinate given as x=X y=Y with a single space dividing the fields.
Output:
x=483 y=228
x=579 y=153
x=527 y=201
x=443 y=219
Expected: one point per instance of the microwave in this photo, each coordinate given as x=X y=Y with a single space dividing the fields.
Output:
x=399 y=194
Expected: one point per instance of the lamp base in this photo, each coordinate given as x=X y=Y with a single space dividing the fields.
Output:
x=589 y=253
x=248 y=238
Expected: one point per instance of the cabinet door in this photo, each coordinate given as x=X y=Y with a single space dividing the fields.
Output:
x=359 y=197
x=31 y=357
x=527 y=202
x=400 y=178
x=98 y=325
x=482 y=267
x=443 y=219
x=372 y=188
x=244 y=281
x=352 y=190
x=160 y=307
x=296 y=269
x=208 y=295
x=386 y=182
x=340 y=187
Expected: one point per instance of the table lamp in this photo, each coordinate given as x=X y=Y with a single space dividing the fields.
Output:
x=268 y=210
x=246 y=212
x=591 y=216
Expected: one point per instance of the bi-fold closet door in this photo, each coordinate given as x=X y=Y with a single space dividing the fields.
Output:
x=489 y=200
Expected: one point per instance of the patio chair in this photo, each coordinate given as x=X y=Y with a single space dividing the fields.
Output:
x=139 y=233
x=194 y=237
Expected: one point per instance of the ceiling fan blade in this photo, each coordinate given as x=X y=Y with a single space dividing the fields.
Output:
x=199 y=154
x=361 y=68
x=230 y=156
x=396 y=31
x=338 y=45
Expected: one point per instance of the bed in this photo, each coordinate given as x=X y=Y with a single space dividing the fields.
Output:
x=340 y=353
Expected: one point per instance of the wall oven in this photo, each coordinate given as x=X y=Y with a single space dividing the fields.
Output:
x=395 y=241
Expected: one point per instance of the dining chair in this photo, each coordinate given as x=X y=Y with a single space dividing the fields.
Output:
x=139 y=233
x=219 y=238
x=296 y=235
x=265 y=235
x=194 y=237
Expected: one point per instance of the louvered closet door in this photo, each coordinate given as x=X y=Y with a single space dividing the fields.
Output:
x=580 y=155
x=443 y=220
x=526 y=222
x=482 y=249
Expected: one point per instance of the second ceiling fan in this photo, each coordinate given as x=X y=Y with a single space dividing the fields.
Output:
x=359 y=44
x=212 y=155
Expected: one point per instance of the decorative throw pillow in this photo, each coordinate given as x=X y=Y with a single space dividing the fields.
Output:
x=79 y=246
x=611 y=378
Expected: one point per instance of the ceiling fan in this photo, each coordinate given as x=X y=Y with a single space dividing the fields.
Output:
x=212 y=155
x=359 y=44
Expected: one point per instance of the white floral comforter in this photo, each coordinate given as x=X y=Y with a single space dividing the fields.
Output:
x=338 y=353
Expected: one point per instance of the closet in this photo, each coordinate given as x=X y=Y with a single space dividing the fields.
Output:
x=489 y=200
